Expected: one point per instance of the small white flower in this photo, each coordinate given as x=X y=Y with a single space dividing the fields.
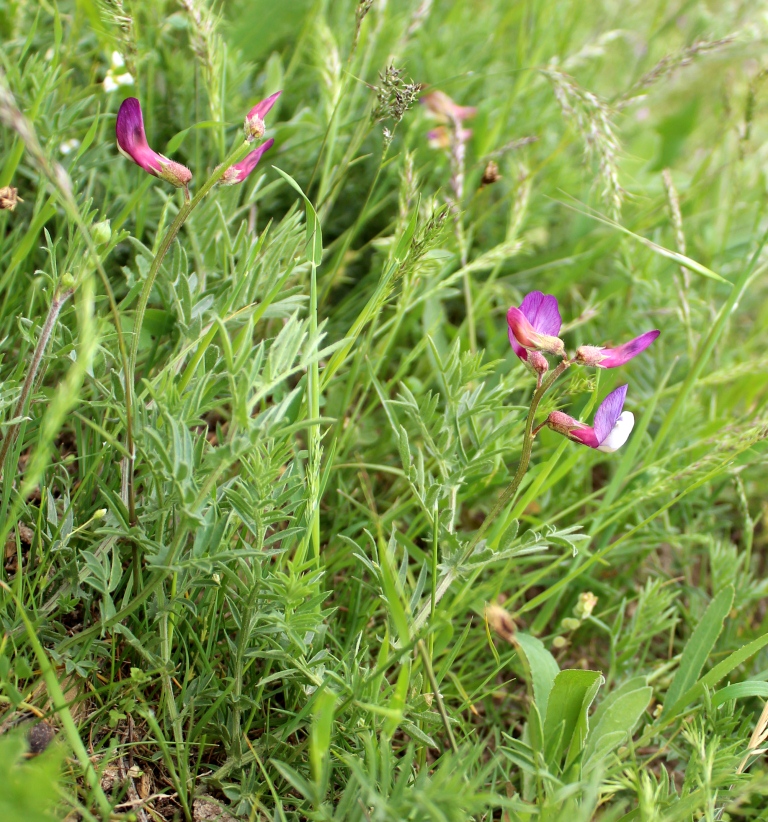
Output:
x=620 y=432
x=117 y=60
x=49 y=55
x=109 y=84
x=124 y=79
x=68 y=146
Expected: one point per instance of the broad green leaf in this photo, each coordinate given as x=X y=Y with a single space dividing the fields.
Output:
x=399 y=698
x=542 y=666
x=566 y=724
x=699 y=647
x=618 y=715
x=392 y=591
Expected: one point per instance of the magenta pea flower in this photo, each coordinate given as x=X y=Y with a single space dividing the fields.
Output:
x=440 y=137
x=254 y=122
x=612 y=425
x=534 y=327
x=239 y=171
x=599 y=357
x=132 y=143
x=444 y=108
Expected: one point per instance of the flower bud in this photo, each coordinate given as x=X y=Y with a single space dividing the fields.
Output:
x=501 y=622
x=538 y=362
x=562 y=423
x=101 y=232
x=254 y=126
x=570 y=624
x=585 y=605
x=67 y=281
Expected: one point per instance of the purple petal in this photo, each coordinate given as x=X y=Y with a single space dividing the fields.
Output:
x=132 y=142
x=614 y=357
x=542 y=312
x=131 y=138
x=261 y=109
x=608 y=412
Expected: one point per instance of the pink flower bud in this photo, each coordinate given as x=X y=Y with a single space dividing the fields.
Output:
x=440 y=137
x=538 y=362
x=254 y=123
x=238 y=172
x=599 y=357
x=132 y=143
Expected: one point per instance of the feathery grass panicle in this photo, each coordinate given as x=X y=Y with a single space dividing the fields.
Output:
x=208 y=48
x=591 y=117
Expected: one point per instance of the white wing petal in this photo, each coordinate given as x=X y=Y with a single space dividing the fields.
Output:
x=619 y=433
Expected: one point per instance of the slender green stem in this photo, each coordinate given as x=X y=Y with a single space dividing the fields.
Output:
x=314 y=413
x=438 y=696
x=59 y=298
x=507 y=496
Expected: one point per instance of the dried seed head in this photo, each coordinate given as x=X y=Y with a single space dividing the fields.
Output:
x=9 y=196
x=501 y=622
x=490 y=175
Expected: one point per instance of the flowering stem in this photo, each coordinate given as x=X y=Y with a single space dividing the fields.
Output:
x=507 y=496
x=59 y=298
x=184 y=212
x=189 y=205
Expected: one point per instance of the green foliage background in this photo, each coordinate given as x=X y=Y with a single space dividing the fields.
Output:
x=254 y=635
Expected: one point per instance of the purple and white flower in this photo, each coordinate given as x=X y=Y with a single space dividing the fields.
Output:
x=612 y=427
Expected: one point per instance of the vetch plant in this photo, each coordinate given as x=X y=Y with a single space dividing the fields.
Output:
x=533 y=329
x=132 y=142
